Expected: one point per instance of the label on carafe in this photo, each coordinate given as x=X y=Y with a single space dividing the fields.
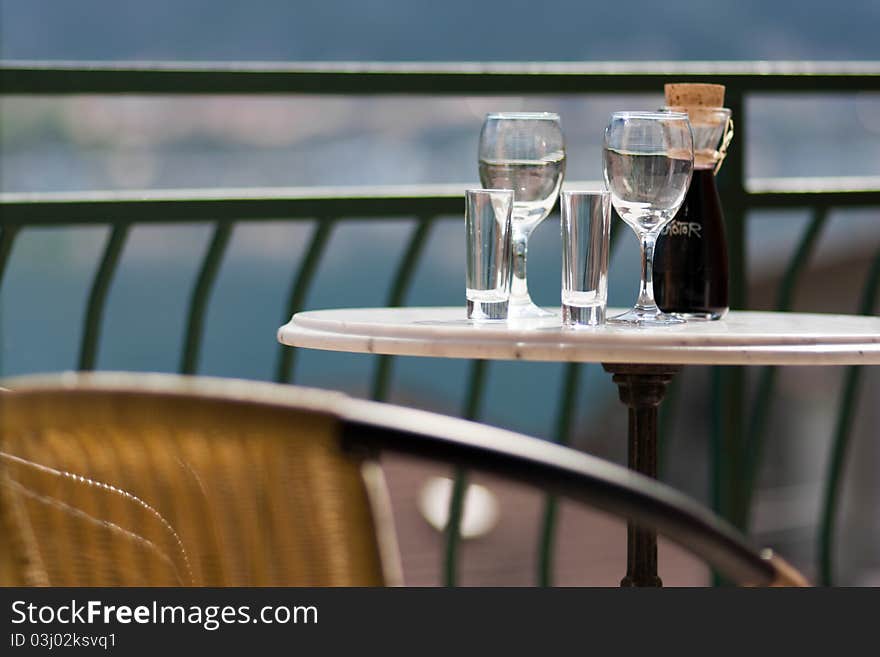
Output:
x=683 y=229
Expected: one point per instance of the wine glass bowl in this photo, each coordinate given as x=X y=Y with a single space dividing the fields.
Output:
x=525 y=152
x=648 y=164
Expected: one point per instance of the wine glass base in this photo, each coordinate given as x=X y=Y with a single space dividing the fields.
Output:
x=701 y=317
x=527 y=310
x=645 y=317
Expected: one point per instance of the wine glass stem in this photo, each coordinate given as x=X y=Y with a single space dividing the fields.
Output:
x=646 y=292
x=519 y=289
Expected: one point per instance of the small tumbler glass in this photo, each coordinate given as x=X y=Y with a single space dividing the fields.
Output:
x=586 y=227
x=487 y=228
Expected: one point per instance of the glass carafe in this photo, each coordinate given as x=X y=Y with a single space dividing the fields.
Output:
x=690 y=259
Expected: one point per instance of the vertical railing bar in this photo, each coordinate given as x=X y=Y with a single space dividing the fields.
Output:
x=472 y=406
x=728 y=383
x=754 y=439
x=718 y=485
x=841 y=440
x=452 y=533
x=201 y=292
x=562 y=435
x=98 y=295
x=300 y=288
x=396 y=296
x=666 y=422
x=731 y=180
x=717 y=488
x=800 y=258
x=7 y=239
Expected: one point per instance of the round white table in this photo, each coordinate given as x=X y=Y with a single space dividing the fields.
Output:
x=741 y=338
x=641 y=360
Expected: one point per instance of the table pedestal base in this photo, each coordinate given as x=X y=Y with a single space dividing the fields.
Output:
x=641 y=388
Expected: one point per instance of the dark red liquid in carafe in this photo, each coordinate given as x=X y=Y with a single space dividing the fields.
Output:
x=690 y=259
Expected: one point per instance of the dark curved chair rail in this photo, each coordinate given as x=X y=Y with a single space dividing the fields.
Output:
x=370 y=428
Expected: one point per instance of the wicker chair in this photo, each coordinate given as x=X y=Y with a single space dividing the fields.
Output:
x=159 y=480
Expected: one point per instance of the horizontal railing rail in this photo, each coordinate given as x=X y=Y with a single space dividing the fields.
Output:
x=360 y=203
x=255 y=204
x=371 y=78
x=737 y=436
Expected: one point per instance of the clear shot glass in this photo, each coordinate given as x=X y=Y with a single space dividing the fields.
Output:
x=487 y=229
x=586 y=228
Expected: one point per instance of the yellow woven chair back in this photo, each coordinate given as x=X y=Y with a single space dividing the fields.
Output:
x=201 y=483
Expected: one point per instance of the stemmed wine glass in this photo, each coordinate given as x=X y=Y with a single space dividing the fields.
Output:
x=649 y=160
x=525 y=152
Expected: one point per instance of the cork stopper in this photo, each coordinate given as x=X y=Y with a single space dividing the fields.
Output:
x=710 y=120
x=683 y=94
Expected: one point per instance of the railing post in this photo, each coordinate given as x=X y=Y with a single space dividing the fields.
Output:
x=396 y=296
x=728 y=383
x=192 y=341
x=88 y=352
x=298 y=290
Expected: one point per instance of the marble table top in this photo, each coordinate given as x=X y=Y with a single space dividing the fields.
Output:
x=741 y=338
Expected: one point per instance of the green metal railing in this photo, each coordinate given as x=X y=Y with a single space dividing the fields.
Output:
x=738 y=437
